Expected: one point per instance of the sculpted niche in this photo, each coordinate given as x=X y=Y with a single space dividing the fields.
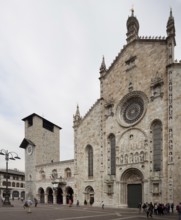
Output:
x=133 y=147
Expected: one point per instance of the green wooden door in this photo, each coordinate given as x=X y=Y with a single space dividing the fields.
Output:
x=134 y=195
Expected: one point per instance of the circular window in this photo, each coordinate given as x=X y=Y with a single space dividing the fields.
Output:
x=131 y=108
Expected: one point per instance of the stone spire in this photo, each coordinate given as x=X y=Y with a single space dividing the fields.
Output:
x=132 y=27
x=171 y=27
x=171 y=43
x=102 y=69
x=77 y=118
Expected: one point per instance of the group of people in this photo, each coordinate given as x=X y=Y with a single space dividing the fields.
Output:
x=156 y=208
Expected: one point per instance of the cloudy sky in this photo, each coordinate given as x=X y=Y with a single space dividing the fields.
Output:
x=50 y=54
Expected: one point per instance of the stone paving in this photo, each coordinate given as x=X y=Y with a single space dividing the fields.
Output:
x=62 y=212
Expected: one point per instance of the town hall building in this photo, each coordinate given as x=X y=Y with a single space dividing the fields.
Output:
x=127 y=148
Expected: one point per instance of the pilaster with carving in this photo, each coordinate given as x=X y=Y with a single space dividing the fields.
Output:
x=170 y=136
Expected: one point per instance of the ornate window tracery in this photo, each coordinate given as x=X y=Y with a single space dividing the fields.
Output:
x=131 y=108
x=112 y=142
x=157 y=144
x=90 y=160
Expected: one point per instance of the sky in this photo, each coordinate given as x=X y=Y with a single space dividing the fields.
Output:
x=50 y=55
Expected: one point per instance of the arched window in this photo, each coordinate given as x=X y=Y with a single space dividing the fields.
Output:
x=13 y=184
x=90 y=160
x=4 y=183
x=112 y=141
x=157 y=144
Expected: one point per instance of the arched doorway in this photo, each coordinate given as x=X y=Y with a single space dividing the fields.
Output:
x=15 y=195
x=69 y=195
x=89 y=195
x=59 y=195
x=131 y=187
x=23 y=195
x=50 y=195
x=41 y=195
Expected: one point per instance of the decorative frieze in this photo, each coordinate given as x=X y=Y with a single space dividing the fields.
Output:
x=170 y=117
x=170 y=96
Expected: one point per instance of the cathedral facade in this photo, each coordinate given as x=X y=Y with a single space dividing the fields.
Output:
x=127 y=147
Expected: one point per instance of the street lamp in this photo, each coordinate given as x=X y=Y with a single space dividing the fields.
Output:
x=8 y=156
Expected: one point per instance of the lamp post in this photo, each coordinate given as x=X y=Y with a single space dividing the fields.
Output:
x=8 y=156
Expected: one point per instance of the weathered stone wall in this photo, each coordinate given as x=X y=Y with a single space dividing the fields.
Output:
x=88 y=133
x=47 y=142
x=174 y=148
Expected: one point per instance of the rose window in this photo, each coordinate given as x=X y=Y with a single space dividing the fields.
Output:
x=131 y=108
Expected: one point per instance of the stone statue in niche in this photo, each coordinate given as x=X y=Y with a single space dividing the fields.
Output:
x=170 y=146
x=121 y=159
x=170 y=173
x=170 y=133
x=142 y=156
x=170 y=157
x=156 y=86
x=136 y=158
x=42 y=174
x=54 y=174
x=131 y=158
x=126 y=159
x=145 y=156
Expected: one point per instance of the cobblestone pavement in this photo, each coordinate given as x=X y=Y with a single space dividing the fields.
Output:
x=61 y=212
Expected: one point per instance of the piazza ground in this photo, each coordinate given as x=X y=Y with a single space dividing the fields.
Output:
x=61 y=212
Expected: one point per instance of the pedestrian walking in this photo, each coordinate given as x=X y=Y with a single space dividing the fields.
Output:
x=178 y=208
x=70 y=202
x=27 y=205
x=139 y=207
x=1 y=201
x=102 y=205
x=149 y=211
x=36 y=202
x=77 y=204
x=144 y=206
x=172 y=207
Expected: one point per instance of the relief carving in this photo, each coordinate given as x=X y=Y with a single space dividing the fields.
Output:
x=138 y=157
x=133 y=146
x=133 y=178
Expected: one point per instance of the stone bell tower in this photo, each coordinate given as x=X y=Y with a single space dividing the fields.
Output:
x=42 y=146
